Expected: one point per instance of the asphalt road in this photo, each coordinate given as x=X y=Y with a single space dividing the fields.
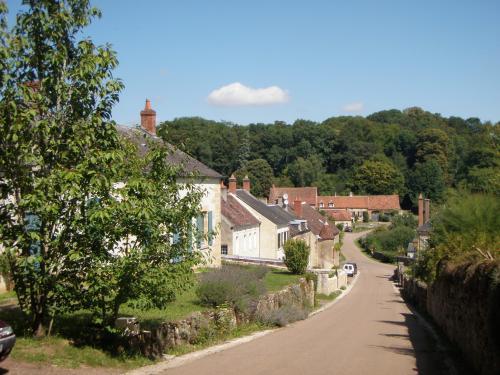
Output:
x=370 y=331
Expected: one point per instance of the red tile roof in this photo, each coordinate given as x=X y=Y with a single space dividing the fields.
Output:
x=305 y=194
x=317 y=223
x=340 y=215
x=369 y=202
x=238 y=215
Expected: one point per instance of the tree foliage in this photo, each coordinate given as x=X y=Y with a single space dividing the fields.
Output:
x=260 y=174
x=431 y=152
x=377 y=177
x=296 y=256
x=85 y=222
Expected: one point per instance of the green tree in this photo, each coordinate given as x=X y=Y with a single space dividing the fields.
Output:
x=427 y=178
x=433 y=144
x=81 y=213
x=303 y=172
x=296 y=256
x=377 y=177
x=57 y=144
x=260 y=174
x=467 y=228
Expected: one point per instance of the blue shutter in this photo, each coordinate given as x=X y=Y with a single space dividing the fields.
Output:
x=199 y=228
x=175 y=238
x=210 y=228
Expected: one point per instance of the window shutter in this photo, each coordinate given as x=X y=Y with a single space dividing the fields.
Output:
x=199 y=228
x=175 y=238
x=210 y=228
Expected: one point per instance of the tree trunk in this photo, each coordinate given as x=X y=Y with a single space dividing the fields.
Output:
x=38 y=327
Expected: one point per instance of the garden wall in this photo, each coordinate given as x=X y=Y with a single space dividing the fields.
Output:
x=464 y=302
x=155 y=343
x=328 y=283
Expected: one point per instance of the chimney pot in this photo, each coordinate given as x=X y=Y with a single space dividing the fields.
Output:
x=246 y=183
x=148 y=118
x=297 y=207
x=232 y=184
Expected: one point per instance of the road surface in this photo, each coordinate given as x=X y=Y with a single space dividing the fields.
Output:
x=370 y=331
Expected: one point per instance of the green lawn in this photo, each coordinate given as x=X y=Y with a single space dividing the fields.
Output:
x=8 y=296
x=277 y=279
x=71 y=347
x=60 y=352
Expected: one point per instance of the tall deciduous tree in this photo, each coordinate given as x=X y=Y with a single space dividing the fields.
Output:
x=378 y=177
x=80 y=213
x=260 y=174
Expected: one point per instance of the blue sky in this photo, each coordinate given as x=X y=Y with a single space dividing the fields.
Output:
x=320 y=58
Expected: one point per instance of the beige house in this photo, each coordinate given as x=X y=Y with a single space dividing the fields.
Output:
x=205 y=179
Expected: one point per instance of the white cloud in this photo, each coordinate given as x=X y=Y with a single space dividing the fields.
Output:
x=353 y=107
x=236 y=94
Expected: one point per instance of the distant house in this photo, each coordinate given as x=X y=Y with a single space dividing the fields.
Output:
x=240 y=230
x=342 y=217
x=357 y=204
x=274 y=229
x=322 y=236
x=277 y=195
x=205 y=178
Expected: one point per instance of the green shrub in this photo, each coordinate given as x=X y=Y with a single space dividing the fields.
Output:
x=282 y=316
x=233 y=285
x=296 y=256
x=366 y=217
x=384 y=218
x=408 y=220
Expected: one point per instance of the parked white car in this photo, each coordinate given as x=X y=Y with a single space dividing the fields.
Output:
x=350 y=269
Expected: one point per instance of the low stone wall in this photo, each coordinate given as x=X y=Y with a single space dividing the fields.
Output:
x=329 y=281
x=464 y=301
x=155 y=343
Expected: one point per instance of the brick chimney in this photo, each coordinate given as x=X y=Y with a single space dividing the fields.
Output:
x=232 y=184
x=223 y=191
x=246 y=183
x=427 y=210
x=297 y=207
x=420 y=210
x=148 y=118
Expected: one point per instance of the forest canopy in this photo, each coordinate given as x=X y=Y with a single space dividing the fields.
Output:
x=388 y=152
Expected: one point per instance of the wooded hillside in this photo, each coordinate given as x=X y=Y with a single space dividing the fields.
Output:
x=403 y=152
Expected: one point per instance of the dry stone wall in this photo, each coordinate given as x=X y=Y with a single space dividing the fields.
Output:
x=464 y=301
x=155 y=343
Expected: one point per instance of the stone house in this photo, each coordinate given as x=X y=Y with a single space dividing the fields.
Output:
x=357 y=204
x=195 y=172
x=278 y=195
x=321 y=237
x=342 y=217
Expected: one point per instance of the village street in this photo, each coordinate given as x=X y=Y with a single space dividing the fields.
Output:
x=370 y=331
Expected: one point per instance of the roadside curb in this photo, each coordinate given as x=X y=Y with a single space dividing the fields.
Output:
x=186 y=358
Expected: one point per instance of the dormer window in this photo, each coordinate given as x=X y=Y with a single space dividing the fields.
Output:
x=321 y=205
x=330 y=205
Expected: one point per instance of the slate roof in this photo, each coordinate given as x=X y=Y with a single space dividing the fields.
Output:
x=237 y=215
x=340 y=215
x=272 y=213
x=317 y=223
x=369 y=202
x=425 y=228
x=176 y=157
x=305 y=194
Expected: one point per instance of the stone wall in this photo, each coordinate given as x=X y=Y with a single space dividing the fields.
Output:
x=464 y=301
x=155 y=343
x=329 y=281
